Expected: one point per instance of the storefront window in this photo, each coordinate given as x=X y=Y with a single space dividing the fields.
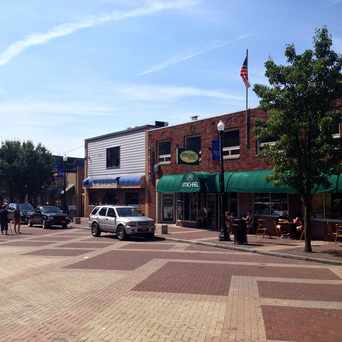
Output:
x=188 y=206
x=318 y=201
x=132 y=198
x=232 y=206
x=167 y=207
x=336 y=205
x=266 y=204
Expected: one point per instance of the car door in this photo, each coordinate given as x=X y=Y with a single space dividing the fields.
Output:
x=101 y=218
x=36 y=216
x=110 y=220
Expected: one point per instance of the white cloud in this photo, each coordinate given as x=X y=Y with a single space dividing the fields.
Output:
x=171 y=93
x=149 y=7
x=187 y=56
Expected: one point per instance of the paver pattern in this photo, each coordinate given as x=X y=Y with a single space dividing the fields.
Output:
x=63 y=285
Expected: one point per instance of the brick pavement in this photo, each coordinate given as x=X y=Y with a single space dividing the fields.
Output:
x=70 y=287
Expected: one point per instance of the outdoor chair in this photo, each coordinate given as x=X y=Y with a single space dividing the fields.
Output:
x=261 y=229
x=338 y=232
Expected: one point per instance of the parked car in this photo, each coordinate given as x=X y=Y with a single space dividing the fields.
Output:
x=25 y=209
x=47 y=216
x=124 y=221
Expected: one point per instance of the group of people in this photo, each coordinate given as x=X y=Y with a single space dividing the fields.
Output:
x=295 y=230
x=4 y=220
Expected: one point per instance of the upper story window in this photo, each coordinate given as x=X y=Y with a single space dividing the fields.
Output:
x=113 y=157
x=164 y=152
x=337 y=133
x=193 y=143
x=231 y=144
x=262 y=143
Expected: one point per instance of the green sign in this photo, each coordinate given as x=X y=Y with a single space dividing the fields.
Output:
x=188 y=157
x=190 y=183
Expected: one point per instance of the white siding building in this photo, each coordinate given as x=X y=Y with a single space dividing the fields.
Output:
x=115 y=168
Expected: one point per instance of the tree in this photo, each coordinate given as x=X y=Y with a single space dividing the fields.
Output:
x=302 y=105
x=24 y=169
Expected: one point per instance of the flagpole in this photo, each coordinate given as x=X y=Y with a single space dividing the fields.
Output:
x=246 y=114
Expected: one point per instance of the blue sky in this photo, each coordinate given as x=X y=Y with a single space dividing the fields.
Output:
x=70 y=70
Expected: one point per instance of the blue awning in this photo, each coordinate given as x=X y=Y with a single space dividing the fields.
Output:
x=130 y=180
x=115 y=181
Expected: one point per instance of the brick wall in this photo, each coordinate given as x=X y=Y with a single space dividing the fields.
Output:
x=207 y=129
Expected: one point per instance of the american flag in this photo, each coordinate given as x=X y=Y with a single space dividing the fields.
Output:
x=244 y=72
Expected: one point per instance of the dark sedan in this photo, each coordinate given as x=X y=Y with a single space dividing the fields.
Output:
x=48 y=216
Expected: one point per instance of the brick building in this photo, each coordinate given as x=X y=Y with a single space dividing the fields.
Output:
x=186 y=193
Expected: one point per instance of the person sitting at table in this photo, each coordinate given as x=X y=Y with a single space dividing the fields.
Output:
x=281 y=227
x=299 y=225
x=248 y=218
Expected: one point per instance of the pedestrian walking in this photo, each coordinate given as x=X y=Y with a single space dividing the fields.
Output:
x=16 y=220
x=4 y=220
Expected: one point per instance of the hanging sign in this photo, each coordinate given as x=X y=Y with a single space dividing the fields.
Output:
x=187 y=157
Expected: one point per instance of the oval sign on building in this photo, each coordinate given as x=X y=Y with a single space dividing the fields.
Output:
x=187 y=157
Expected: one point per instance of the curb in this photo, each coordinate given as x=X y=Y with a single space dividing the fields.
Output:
x=243 y=249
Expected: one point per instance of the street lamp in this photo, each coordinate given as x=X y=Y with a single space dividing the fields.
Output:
x=65 y=159
x=224 y=236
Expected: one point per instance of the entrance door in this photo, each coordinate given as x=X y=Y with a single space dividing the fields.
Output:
x=167 y=208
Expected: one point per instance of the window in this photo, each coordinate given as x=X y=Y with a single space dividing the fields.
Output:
x=94 y=211
x=103 y=211
x=164 y=152
x=113 y=157
x=266 y=204
x=262 y=143
x=231 y=144
x=111 y=212
x=337 y=133
x=132 y=198
x=194 y=144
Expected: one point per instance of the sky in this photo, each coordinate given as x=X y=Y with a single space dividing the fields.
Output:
x=71 y=70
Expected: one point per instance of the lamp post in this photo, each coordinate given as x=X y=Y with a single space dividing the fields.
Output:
x=65 y=159
x=224 y=236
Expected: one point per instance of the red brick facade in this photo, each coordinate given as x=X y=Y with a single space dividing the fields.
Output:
x=207 y=129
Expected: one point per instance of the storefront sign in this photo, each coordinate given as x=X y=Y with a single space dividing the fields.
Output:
x=188 y=157
x=190 y=183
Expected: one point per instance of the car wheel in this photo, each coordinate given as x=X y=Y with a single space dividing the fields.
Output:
x=45 y=225
x=95 y=230
x=29 y=223
x=121 y=233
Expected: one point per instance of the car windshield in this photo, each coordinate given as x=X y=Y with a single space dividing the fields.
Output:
x=26 y=207
x=128 y=212
x=51 y=210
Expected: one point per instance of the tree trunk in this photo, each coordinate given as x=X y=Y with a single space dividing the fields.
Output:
x=307 y=203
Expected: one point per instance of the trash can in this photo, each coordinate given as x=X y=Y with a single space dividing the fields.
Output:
x=164 y=229
x=240 y=237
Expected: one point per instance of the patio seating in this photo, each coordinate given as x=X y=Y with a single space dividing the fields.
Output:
x=262 y=229
x=338 y=232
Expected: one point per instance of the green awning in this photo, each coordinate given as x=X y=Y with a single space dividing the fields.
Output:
x=188 y=182
x=334 y=186
x=253 y=181
x=240 y=181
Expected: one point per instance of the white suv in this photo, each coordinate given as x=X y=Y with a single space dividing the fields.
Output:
x=124 y=221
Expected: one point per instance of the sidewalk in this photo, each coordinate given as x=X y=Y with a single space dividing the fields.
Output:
x=323 y=251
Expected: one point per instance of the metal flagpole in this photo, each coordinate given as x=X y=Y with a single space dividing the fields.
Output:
x=246 y=114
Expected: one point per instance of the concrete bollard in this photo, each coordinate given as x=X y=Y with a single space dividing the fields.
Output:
x=164 y=229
